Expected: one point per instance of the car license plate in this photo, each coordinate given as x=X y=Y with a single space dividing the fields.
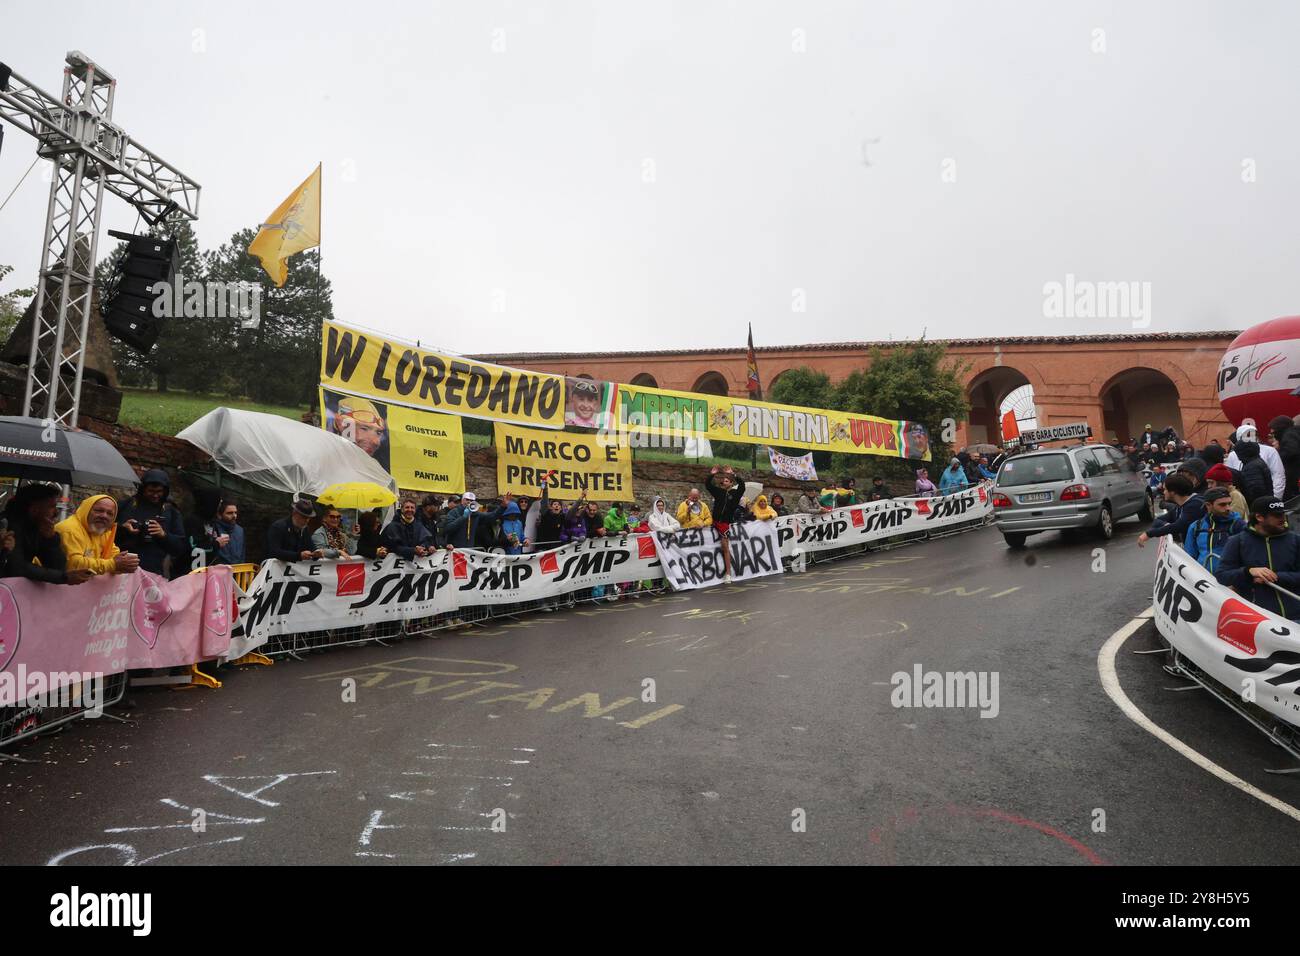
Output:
x=1036 y=496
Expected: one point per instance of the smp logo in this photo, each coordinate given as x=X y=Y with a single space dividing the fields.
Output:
x=506 y=577
x=1175 y=600
x=824 y=531
x=404 y=586
x=948 y=507
x=592 y=563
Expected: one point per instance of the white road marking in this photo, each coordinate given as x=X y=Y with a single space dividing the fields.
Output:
x=1110 y=683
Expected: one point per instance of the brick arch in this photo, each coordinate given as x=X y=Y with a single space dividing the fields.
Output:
x=1137 y=395
x=711 y=382
x=644 y=380
x=986 y=389
x=1108 y=372
x=771 y=383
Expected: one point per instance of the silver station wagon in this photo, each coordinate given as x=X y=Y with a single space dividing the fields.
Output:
x=1086 y=486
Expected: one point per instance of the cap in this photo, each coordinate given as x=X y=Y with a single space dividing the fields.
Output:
x=304 y=507
x=1267 y=505
x=1214 y=494
x=1219 y=472
x=469 y=496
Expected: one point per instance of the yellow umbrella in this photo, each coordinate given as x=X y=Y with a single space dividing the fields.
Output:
x=359 y=495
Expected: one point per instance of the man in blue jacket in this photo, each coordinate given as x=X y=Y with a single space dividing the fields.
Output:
x=1265 y=553
x=1190 y=508
x=1208 y=535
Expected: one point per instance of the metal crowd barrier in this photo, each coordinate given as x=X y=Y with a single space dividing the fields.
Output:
x=23 y=721
x=295 y=645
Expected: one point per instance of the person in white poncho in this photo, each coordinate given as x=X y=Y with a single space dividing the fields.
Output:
x=661 y=519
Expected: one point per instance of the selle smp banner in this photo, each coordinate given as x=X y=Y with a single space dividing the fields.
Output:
x=114 y=623
x=1251 y=651
x=367 y=365
x=321 y=595
x=858 y=524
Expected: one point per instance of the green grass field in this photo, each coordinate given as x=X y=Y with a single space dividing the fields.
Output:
x=170 y=412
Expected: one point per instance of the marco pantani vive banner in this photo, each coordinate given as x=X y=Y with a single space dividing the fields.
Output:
x=659 y=411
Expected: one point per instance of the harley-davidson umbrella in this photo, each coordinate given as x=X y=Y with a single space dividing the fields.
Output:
x=35 y=451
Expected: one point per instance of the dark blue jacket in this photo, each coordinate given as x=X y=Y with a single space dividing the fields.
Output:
x=1250 y=549
x=153 y=551
x=1188 y=514
x=402 y=539
x=232 y=553
x=286 y=542
x=1207 y=537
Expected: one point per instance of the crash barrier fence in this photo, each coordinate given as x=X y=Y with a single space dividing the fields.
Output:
x=812 y=539
x=1243 y=653
x=30 y=719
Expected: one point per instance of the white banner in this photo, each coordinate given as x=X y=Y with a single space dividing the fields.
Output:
x=1251 y=651
x=799 y=468
x=324 y=595
x=1076 y=430
x=693 y=558
x=321 y=595
x=859 y=524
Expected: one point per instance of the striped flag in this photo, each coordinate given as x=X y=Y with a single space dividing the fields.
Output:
x=607 y=417
x=752 y=384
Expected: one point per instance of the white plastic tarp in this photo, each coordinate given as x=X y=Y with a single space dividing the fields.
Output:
x=281 y=454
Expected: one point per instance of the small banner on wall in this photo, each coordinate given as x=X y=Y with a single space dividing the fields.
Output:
x=799 y=468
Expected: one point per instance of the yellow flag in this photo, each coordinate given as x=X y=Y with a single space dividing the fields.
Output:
x=293 y=227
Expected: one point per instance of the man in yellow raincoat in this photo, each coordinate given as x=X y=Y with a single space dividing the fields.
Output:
x=87 y=538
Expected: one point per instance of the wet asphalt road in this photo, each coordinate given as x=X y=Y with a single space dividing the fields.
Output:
x=747 y=724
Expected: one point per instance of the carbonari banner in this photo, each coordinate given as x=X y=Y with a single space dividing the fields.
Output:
x=393 y=372
x=424 y=451
x=575 y=464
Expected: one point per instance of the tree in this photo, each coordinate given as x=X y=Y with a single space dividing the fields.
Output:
x=279 y=361
x=910 y=382
x=12 y=305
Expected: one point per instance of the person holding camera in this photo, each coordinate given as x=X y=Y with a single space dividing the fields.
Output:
x=151 y=527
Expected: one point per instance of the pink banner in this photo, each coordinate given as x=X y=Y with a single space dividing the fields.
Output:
x=114 y=623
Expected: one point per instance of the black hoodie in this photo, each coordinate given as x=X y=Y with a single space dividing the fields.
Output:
x=1256 y=480
x=153 y=550
x=1288 y=449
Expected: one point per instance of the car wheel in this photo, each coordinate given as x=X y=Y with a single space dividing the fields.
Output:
x=1146 y=514
x=1106 y=524
x=1014 y=541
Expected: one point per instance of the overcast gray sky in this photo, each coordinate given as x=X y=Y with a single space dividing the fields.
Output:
x=614 y=175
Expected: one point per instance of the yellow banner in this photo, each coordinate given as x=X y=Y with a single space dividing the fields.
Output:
x=421 y=450
x=576 y=463
x=393 y=372
x=660 y=411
